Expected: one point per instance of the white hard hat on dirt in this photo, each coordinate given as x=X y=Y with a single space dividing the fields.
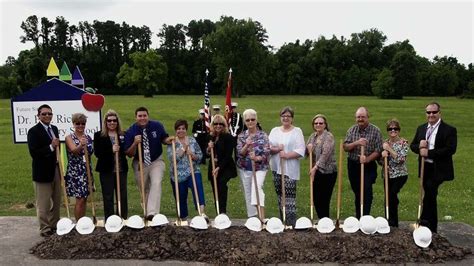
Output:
x=113 y=224
x=325 y=225
x=198 y=222
x=135 y=222
x=350 y=225
x=382 y=225
x=274 y=225
x=254 y=224
x=303 y=223
x=64 y=226
x=422 y=236
x=85 y=226
x=368 y=225
x=158 y=220
x=222 y=221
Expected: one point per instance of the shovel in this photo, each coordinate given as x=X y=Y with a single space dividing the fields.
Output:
x=196 y=195
x=91 y=189
x=216 y=195
x=63 y=182
x=117 y=178
x=311 y=185
x=385 y=164
x=339 y=185
x=142 y=180
x=176 y=187
x=420 y=199
x=362 y=152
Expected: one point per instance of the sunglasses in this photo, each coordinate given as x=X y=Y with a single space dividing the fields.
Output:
x=112 y=120
x=45 y=114
x=250 y=119
x=219 y=124
x=318 y=123
x=80 y=124
x=431 y=112
x=285 y=116
x=393 y=129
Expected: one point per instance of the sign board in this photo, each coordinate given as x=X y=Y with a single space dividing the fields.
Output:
x=64 y=99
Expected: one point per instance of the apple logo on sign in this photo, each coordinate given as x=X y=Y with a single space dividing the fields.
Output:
x=92 y=102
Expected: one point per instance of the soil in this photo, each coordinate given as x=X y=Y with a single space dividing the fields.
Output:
x=238 y=245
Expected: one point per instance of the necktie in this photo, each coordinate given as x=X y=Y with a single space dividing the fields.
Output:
x=146 y=149
x=50 y=132
x=429 y=132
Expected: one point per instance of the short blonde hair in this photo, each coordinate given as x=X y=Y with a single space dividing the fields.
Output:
x=79 y=118
x=219 y=119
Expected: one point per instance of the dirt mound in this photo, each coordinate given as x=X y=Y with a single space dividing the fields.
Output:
x=242 y=246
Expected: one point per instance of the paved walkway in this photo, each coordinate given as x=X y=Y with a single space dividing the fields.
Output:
x=19 y=234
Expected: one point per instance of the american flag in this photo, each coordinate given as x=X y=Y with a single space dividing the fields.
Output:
x=228 y=107
x=207 y=103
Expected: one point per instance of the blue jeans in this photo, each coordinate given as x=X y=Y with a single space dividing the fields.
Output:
x=183 y=193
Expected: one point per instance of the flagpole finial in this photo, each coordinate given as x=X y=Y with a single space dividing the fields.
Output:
x=230 y=70
x=207 y=71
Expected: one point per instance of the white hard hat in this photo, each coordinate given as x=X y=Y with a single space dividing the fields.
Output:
x=158 y=220
x=368 y=225
x=274 y=225
x=85 y=226
x=254 y=224
x=325 y=225
x=113 y=224
x=351 y=225
x=422 y=236
x=222 y=221
x=303 y=223
x=135 y=222
x=64 y=226
x=198 y=222
x=382 y=225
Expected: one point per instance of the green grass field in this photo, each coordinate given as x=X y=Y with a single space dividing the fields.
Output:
x=454 y=198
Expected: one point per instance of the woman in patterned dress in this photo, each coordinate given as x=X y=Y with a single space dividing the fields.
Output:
x=77 y=185
x=253 y=147
x=324 y=171
x=186 y=146
x=396 y=149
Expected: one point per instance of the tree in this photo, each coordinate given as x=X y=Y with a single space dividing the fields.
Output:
x=239 y=44
x=147 y=73
x=30 y=27
x=383 y=87
x=404 y=67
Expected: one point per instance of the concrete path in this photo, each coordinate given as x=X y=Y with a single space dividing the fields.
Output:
x=19 y=234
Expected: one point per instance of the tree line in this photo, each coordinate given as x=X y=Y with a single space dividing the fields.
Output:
x=118 y=59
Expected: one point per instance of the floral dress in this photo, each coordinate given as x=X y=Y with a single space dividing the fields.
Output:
x=77 y=184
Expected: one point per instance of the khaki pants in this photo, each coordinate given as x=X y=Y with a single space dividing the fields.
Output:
x=152 y=175
x=48 y=202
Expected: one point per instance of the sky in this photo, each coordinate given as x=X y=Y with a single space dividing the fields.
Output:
x=442 y=28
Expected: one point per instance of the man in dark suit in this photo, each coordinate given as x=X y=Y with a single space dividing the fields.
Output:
x=43 y=140
x=435 y=142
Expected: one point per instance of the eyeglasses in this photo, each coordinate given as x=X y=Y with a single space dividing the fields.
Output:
x=219 y=124
x=318 y=123
x=80 y=124
x=432 y=112
x=285 y=116
x=250 y=119
x=45 y=114
x=393 y=129
x=112 y=120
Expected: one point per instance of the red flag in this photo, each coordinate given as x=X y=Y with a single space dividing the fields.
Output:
x=228 y=107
